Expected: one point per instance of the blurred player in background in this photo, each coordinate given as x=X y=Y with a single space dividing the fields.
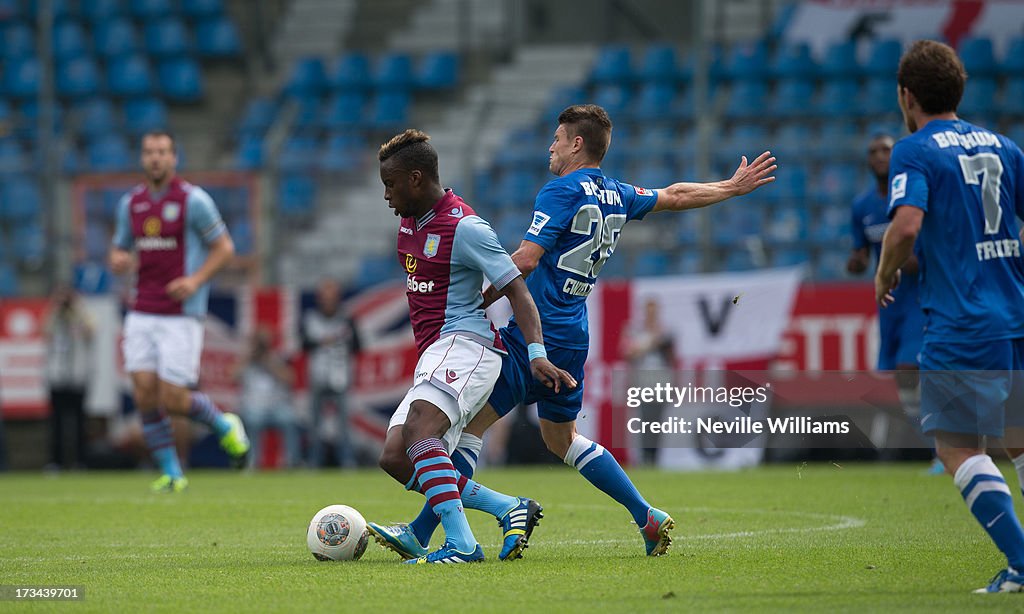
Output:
x=180 y=241
x=447 y=250
x=900 y=328
x=957 y=189
x=576 y=223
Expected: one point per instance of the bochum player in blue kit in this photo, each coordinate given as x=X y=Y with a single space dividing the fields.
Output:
x=576 y=224
x=957 y=189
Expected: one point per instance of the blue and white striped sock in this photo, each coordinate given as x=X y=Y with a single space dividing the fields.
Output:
x=156 y=431
x=988 y=497
x=1018 y=464
x=603 y=471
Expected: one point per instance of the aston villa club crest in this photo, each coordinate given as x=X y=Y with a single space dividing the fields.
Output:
x=430 y=247
x=171 y=212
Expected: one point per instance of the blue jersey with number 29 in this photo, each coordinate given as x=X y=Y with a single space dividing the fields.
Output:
x=577 y=220
x=970 y=184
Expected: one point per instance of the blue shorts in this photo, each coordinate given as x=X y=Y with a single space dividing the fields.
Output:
x=901 y=333
x=972 y=388
x=516 y=383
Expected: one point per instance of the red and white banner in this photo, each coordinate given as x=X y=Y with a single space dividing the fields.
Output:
x=823 y=22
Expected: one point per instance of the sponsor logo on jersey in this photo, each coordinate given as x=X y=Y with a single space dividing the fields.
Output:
x=404 y=230
x=172 y=211
x=899 y=187
x=643 y=191
x=140 y=207
x=410 y=263
x=450 y=376
x=430 y=247
x=420 y=287
x=151 y=227
x=539 y=220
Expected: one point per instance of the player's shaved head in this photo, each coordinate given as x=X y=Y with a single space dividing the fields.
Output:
x=592 y=124
x=933 y=73
x=410 y=151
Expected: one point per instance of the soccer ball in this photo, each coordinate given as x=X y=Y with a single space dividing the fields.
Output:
x=337 y=533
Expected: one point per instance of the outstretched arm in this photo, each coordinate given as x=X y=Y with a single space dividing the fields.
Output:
x=746 y=179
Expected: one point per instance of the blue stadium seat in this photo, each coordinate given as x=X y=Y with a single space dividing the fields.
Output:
x=257 y=117
x=884 y=58
x=30 y=116
x=298 y=154
x=792 y=98
x=116 y=37
x=374 y=270
x=393 y=70
x=438 y=70
x=218 y=37
x=839 y=139
x=9 y=283
x=654 y=176
x=100 y=11
x=691 y=263
x=789 y=256
x=879 y=98
x=167 y=37
x=837 y=184
x=794 y=62
x=5 y=112
x=21 y=78
x=792 y=143
x=978 y=58
x=78 y=78
x=790 y=186
x=747 y=100
x=659 y=64
x=840 y=61
x=1013 y=96
x=242 y=235
x=130 y=76
x=516 y=189
x=831 y=265
x=198 y=10
x=389 y=110
x=296 y=196
x=151 y=9
x=614 y=98
x=10 y=10
x=69 y=40
x=30 y=245
x=738 y=260
x=144 y=114
x=307 y=77
x=96 y=117
x=343 y=153
x=745 y=140
x=250 y=153
x=16 y=41
x=307 y=115
x=1016 y=134
x=732 y=226
x=652 y=141
x=109 y=154
x=62 y=9
x=650 y=263
x=23 y=203
x=181 y=79
x=560 y=98
x=1013 y=59
x=350 y=71
x=832 y=226
x=343 y=111
x=612 y=65
x=97 y=241
x=747 y=61
x=787 y=224
x=654 y=103
x=979 y=97
x=838 y=98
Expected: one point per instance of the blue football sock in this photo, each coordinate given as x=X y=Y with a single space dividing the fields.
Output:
x=205 y=412
x=437 y=480
x=476 y=496
x=156 y=431
x=464 y=461
x=988 y=497
x=602 y=470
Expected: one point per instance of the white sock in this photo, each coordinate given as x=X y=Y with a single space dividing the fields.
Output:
x=582 y=451
x=1018 y=463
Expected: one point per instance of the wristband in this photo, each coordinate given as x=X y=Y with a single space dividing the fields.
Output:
x=536 y=350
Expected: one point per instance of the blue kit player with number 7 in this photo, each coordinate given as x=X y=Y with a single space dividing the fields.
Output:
x=957 y=189
x=577 y=219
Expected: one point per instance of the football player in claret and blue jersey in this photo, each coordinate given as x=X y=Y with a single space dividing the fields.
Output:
x=957 y=189
x=576 y=223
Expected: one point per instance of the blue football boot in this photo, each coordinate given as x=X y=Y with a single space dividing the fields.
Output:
x=517 y=526
x=397 y=537
x=448 y=555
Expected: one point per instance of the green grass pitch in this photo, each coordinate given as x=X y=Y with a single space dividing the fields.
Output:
x=808 y=538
